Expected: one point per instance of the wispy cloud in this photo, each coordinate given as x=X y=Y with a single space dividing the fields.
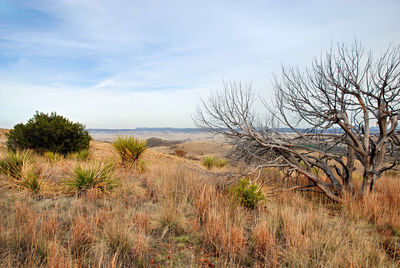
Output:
x=94 y=60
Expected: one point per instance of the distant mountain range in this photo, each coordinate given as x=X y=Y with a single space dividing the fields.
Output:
x=198 y=130
x=148 y=129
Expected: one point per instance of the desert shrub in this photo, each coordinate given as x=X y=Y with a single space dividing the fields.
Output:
x=211 y=161
x=81 y=155
x=248 y=194
x=53 y=156
x=98 y=177
x=180 y=153
x=52 y=133
x=129 y=148
x=12 y=163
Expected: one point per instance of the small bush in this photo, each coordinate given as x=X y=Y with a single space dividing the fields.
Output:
x=247 y=194
x=52 y=133
x=129 y=148
x=81 y=155
x=98 y=177
x=52 y=156
x=211 y=161
x=180 y=153
x=12 y=163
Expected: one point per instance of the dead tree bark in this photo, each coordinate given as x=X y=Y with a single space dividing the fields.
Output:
x=346 y=91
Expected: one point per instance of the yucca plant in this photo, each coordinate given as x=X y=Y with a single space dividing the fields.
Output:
x=209 y=161
x=98 y=177
x=129 y=148
x=12 y=163
x=30 y=179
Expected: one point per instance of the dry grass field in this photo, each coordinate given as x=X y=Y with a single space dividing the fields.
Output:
x=172 y=213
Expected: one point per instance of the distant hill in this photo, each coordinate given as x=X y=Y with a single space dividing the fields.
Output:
x=166 y=129
x=198 y=130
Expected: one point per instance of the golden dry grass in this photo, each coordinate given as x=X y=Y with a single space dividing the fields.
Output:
x=173 y=215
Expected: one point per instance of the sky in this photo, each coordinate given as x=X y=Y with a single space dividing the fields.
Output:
x=128 y=64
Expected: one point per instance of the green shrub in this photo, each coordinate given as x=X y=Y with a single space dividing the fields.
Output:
x=12 y=163
x=82 y=155
x=129 y=148
x=97 y=177
x=246 y=193
x=211 y=161
x=52 y=133
x=52 y=156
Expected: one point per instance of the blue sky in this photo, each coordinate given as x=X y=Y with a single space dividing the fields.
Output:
x=127 y=64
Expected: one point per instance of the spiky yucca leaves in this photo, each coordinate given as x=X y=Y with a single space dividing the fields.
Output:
x=21 y=172
x=209 y=161
x=30 y=179
x=129 y=148
x=11 y=164
x=98 y=177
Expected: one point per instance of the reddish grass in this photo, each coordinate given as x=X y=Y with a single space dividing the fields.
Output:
x=172 y=215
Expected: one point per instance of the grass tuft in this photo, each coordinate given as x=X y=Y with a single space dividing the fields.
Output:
x=53 y=156
x=211 y=161
x=82 y=155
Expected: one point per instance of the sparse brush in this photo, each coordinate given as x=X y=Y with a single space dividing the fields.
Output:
x=129 y=148
x=180 y=153
x=247 y=193
x=97 y=177
x=12 y=163
x=82 y=155
x=53 y=156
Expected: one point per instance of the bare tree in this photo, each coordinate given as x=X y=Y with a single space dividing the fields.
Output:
x=342 y=110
